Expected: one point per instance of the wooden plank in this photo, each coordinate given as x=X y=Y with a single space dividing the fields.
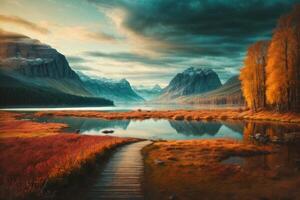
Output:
x=122 y=175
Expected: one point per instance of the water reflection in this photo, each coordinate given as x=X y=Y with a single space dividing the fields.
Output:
x=149 y=129
x=85 y=124
x=195 y=127
x=280 y=131
x=172 y=129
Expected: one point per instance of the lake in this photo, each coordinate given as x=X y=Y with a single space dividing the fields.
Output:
x=171 y=129
x=284 y=165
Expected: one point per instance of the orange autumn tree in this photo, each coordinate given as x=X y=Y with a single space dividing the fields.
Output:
x=271 y=74
x=283 y=76
x=253 y=75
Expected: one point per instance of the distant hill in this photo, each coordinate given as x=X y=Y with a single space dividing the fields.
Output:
x=37 y=74
x=15 y=93
x=116 y=90
x=229 y=93
x=148 y=93
x=190 y=82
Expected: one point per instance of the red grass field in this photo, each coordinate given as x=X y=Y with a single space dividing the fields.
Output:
x=194 y=169
x=11 y=126
x=28 y=161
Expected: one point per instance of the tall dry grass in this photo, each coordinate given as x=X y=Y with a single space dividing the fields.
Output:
x=27 y=164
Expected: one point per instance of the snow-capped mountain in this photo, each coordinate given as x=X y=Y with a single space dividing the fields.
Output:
x=148 y=93
x=116 y=90
x=191 y=81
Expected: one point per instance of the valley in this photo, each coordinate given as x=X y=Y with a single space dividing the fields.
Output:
x=123 y=100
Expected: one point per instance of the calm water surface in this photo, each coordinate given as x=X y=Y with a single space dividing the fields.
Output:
x=170 y=129
x=150 y=128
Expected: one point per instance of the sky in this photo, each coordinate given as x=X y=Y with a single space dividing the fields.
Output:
x=146 y=41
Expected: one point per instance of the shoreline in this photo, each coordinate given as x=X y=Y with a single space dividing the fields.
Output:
x=162 y=157
x=180 y=115
x=218 y=169
x=39 y=159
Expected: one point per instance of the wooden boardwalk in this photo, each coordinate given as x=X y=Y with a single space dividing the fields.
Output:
x=121 y=176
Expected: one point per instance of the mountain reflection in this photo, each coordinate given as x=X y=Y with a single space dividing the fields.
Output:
x=165 y=129
x=87 y=124
x=195 y=127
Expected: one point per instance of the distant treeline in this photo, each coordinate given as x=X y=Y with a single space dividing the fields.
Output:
x=13 y=93
x=27 y=97
x=233 y=99
x=271 y=73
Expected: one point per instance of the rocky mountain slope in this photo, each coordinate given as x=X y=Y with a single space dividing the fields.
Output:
x=190 y=82
x=30 y=61
x=148 y=93
x=38 y=72
x=229 y=93
x=116 y=90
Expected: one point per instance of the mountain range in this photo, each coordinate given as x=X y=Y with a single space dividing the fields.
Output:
x=229 y=93
x=33 y=73
x=116 y=90
x=148 y=93
x=191 y=81
x=202 y=86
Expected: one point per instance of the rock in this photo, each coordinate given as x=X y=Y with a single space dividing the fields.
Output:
x=261 y=138
x=257 y=136
x=77 y=131
x=108 y=131
x=159 y=162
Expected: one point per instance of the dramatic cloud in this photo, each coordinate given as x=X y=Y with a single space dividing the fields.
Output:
x=25 y=23
x=99 y=36
x=147 y=41
x=131 y=57
x=219 y=29
x=82 y=33
x=5 y=35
